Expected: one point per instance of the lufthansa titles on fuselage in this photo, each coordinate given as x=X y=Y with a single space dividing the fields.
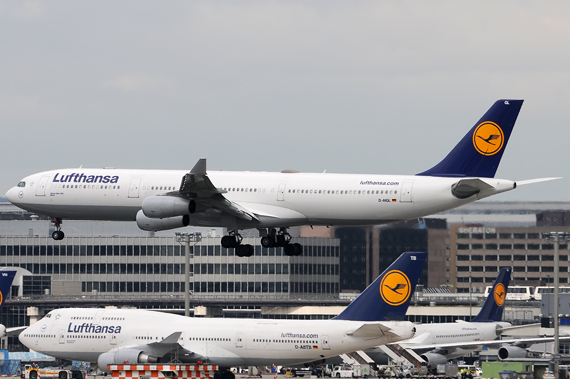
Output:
x=374 y=183
x=82 y=178
x=91 y=328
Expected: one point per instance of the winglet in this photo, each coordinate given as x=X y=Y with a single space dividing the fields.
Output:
x=388 y=297
x=492 y=309
x=479 y=153
x=6 y=279
x=200 y=167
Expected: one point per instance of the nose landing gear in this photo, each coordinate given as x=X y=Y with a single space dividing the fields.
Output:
x=57 y=234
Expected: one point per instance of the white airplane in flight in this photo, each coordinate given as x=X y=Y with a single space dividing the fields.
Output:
x=274 y=201
x=118 y=336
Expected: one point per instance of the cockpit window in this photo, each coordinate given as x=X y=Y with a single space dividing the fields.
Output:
x=22 y=184
x=48 y=315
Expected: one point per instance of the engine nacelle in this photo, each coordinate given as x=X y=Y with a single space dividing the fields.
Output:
x=167 y=206
x=434 y=359
x=505 y=352
x=124 y=356
x=156 y=224
x=2 y=331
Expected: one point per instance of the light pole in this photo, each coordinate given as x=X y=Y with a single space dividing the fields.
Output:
x=555 y=238
x=186 y=238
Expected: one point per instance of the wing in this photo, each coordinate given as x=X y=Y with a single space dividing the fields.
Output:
x=168 y=347
x=15 y=330
x=478 y=345
x=197 y=186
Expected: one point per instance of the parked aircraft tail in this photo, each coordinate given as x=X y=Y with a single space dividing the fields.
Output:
x=479 y=152
x=388 y=297
x=493 y=307
x=6 y=279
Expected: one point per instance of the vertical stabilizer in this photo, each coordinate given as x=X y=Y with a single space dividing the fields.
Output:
x=388 y=297
x=479 y=153
x=6 y=279
x=493 y=307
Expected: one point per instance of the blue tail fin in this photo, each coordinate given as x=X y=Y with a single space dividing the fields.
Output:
x=493 y=307
x=478 y=154
x=6 y=279
x=388 y=297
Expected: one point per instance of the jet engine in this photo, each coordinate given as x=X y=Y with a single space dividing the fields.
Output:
x=156 y=224
x=167 y=206
x=2 y=331
x=124 y=356
x=434 y=359
x=505 y=352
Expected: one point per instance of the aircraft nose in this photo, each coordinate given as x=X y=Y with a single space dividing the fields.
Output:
x=24 y=337
x=12 y=194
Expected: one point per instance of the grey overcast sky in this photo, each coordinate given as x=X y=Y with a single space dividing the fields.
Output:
x=385 y=87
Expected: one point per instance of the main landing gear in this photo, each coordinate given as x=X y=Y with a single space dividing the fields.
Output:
x=282 y=239
x=273 y=238
x=57 y=235
x=233 y=241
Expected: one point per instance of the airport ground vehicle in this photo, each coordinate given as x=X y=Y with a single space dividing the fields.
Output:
x=301 y=371
x=31 y=372
x=343 y=371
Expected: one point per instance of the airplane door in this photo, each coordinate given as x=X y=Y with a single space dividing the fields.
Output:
x=41 y=188
x=98 y=317
x=134 y=188
x=406 y=192
x=113 y=339
x=325 y=341
x=281 y=192
x=239 y=340
x=62 y=336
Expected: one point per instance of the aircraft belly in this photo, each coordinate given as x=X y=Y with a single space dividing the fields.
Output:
x=79 y=212
x=74 y=355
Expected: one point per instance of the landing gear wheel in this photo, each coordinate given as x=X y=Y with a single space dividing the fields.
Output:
x=231 y=241
x=267 y=242
x=289 y=250
x=298 y=249
x=293 y=249
x=228 y=242
x=57 y=235
x=245 y=250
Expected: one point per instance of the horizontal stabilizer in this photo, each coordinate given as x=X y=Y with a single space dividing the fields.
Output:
x=482 y=187
x=538 y=180
x=370 y=331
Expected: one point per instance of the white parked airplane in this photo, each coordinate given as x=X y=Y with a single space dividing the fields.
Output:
x=439 y=342
x=273 y=202
x=117 y=336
